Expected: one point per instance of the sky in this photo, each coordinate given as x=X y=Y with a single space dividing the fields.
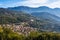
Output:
x=30 y=3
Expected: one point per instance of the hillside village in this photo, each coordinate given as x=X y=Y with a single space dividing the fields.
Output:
x=21 y=28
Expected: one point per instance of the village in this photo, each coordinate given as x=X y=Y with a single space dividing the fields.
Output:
x=22 y=28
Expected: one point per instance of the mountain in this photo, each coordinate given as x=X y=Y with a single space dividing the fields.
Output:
x=8 y=16
x=28 y=9
x=48 y=21
x=21 y=8
x=55 y=11
x=46 y=16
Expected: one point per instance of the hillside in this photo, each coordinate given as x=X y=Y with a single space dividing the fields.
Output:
x=12 y=17
x=46 y=16
x=8 y=34
x=55 y=11
x=8 y=16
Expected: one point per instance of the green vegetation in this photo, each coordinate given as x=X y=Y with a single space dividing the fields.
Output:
x=8 y=34
x=8 y=16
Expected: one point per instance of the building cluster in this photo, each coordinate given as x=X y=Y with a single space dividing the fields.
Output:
x=24 y=30
x=20 y=28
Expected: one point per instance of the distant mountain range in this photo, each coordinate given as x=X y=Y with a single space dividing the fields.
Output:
x=55 y=11
x=46 y=16
x=42 y=16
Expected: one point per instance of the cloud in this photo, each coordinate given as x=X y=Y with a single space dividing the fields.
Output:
x=38 y=3
x=54 y=4
x=32 y=3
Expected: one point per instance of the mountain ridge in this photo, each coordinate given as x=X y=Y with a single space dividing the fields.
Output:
x=46 y=15
x=55 y=11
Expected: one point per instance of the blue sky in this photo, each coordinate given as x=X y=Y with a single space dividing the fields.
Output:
x=30 y=3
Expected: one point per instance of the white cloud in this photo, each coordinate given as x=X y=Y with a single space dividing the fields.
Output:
x=38 y=3
x=32 y=3
x=54 y=4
